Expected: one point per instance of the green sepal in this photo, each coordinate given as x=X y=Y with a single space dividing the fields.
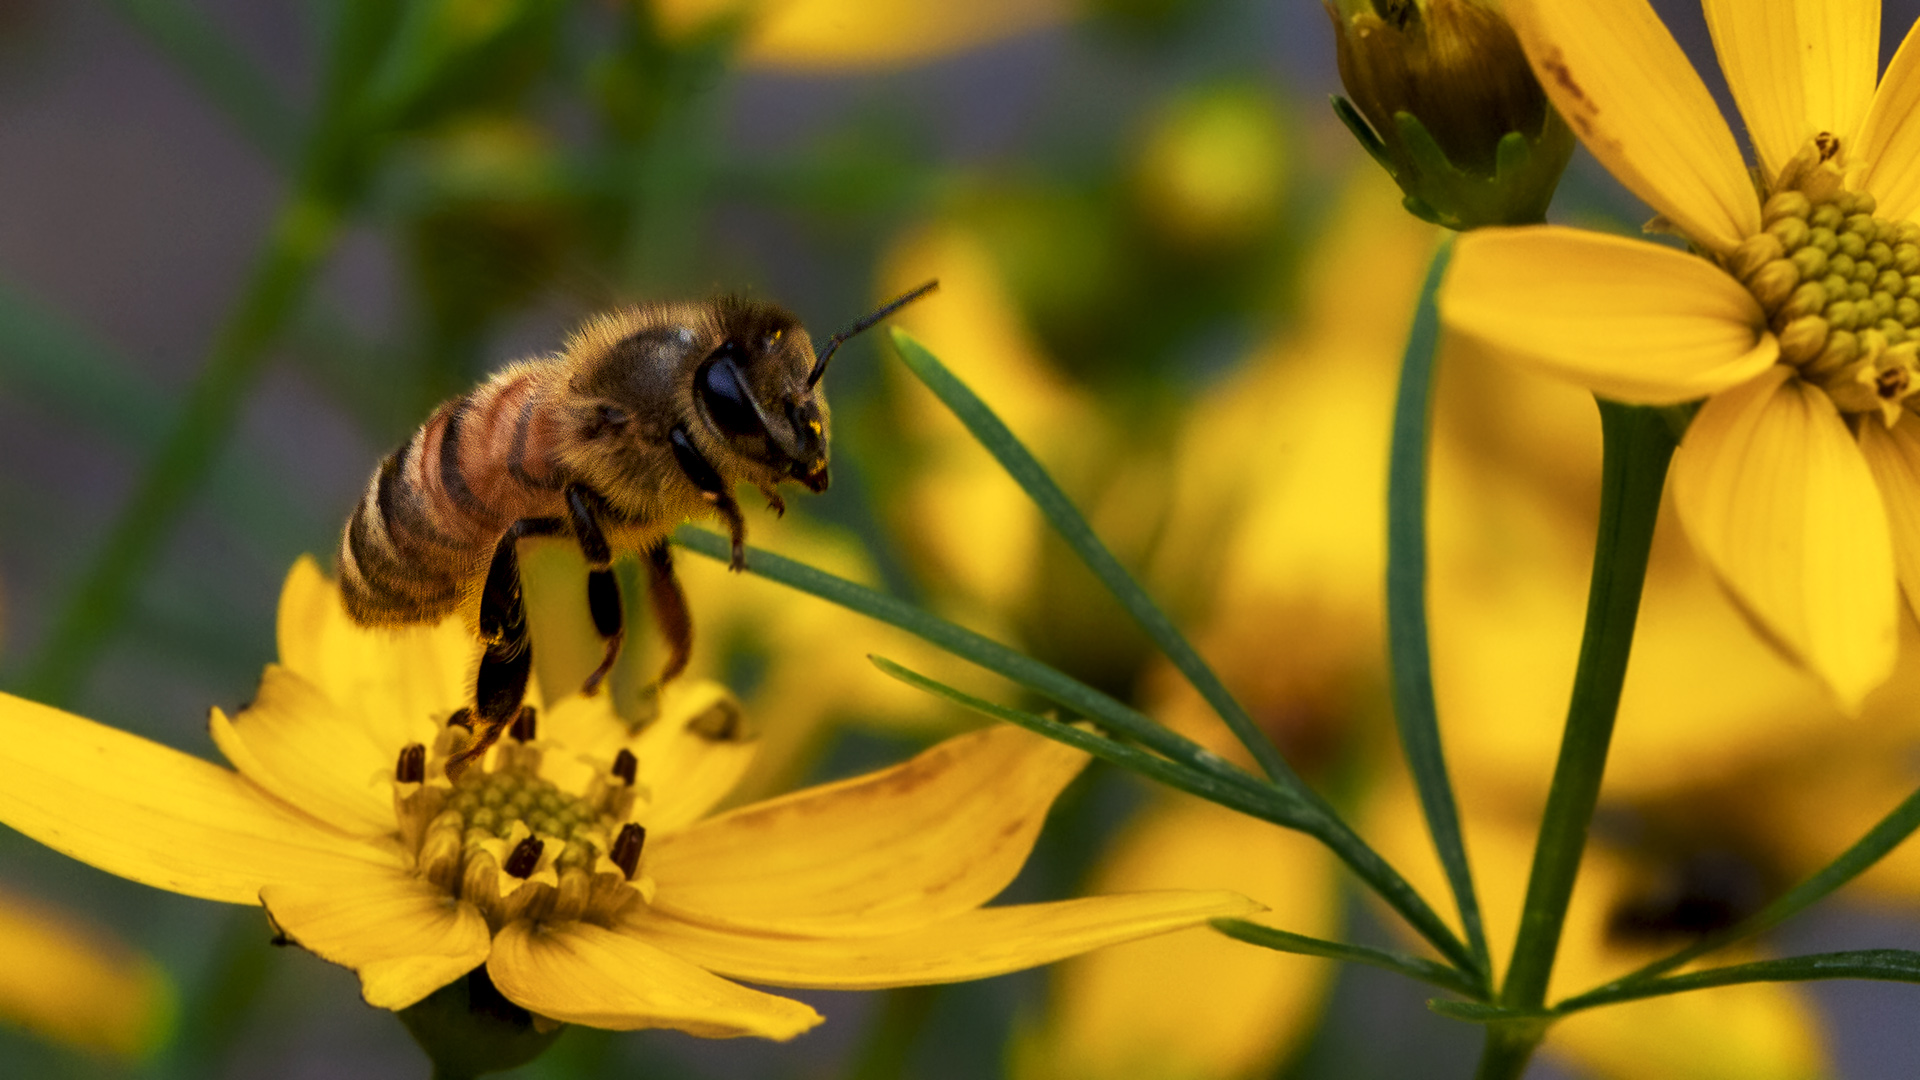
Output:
x=468 y=1028
x=1526 y=173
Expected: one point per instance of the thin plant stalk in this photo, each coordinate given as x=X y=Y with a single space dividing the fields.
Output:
x=1638 y=445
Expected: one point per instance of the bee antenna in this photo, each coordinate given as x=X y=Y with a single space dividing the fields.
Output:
x=866 y=322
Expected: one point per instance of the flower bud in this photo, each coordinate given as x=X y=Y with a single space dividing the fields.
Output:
x=1451 y=108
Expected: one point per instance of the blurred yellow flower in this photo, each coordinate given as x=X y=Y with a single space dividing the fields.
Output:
x=574 y=864
x=1797 y=480
x=806 y=35
x=1214 y=167
x=1292 y=570
x=975 y=533
x=76 y=984
x=1760 y=1031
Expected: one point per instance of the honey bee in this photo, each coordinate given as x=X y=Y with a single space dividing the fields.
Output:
x=649 y=416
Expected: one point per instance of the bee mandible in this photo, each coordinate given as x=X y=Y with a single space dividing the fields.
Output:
x=649 y=416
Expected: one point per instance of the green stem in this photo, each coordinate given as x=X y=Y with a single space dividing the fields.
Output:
x=1638 y=445
x=1415 y=712
x=1509 y=1046
x=301 y=236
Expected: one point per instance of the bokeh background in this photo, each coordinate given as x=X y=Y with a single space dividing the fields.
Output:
x=1164 y=261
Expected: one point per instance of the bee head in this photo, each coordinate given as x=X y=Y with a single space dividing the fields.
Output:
x=752 y=394
x=759 y=390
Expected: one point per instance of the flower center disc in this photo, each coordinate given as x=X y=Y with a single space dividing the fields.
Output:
x=1841 y=290
x=510 y=842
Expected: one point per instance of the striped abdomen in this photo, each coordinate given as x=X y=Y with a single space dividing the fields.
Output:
x=420 y=539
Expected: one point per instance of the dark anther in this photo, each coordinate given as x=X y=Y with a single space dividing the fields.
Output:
x=525 y=723
x=626 y=848
x=462 y=717
x=525 y=858
x=412 y=767
x=626 y=766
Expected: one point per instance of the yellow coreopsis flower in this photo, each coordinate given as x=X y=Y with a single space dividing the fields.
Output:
x=573 y=864
x=1796 y=316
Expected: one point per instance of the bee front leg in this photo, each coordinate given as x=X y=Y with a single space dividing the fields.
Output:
x=704 y=476
x=505 y=665
x=585 y=508
x=774 y=502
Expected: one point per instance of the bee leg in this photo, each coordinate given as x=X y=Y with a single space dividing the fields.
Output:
x=670 y=614
x=507 y=663
x=736 y=529
x=584 y=508
x=774 y=502
x=701 y=473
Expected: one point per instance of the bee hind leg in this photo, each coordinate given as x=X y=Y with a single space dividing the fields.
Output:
x=670 y=613
x=507 y=662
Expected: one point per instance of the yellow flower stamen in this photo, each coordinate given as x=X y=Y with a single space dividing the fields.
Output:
x=510 y=841
x=1840 y=286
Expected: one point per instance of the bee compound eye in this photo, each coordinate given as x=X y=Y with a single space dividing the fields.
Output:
x=724 y=394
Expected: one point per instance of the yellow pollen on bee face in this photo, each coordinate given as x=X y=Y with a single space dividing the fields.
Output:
x=1841 y=291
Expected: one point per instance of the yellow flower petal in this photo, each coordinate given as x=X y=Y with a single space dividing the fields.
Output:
x=1888 y=147
x=582 y=974
x=824 y=35
x=405 y=937
x=1622 y=82
x=690 y=764
x=386 y=679
x=1196 y=1003
x=1797 y=68
x=971 y=945
x=1629 y=320
x=78 y=985
x=689 y=758
x=154 y=815
x=292 y=742
x=888 y=851
x=1774 y=492
x=1894 y=457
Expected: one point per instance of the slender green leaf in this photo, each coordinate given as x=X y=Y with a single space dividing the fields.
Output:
x=1046 y=681
x=1414 y=709
x=1269 y=804
x=1320 y=823
x=1415 y=967
x=1033 y=479
x=1891 y=831
x=1883 y=965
